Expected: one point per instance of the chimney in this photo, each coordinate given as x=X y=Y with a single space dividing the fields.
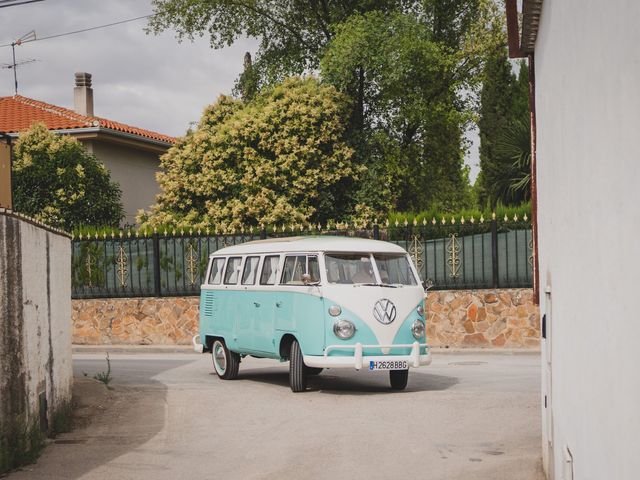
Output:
x=83 y=94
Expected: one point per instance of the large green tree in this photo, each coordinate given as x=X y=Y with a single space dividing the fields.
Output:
x=58 y=182
x=292 y=33
x=504 y=133
x=407 y=118
x=411 y=82
x=279 y=159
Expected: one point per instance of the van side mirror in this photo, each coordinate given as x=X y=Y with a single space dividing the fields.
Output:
x=427 y=284
x=306 y=278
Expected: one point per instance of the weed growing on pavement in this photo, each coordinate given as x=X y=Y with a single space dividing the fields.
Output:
x=105 y=377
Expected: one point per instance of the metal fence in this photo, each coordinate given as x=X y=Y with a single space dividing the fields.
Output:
x=453 y=254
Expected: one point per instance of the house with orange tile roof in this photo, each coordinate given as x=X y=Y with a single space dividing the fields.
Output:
x=131 y=154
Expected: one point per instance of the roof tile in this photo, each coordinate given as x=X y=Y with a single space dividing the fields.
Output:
x=18 y=113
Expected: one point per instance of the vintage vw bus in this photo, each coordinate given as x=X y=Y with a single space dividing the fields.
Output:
x=319 y=302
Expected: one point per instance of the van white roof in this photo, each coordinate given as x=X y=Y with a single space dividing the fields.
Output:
x=311 y=244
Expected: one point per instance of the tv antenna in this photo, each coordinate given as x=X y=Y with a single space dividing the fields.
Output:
x=27 y=37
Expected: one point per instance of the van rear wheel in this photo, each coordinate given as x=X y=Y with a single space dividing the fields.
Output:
x=399 y=379
x=297 y=369
x=225 y=363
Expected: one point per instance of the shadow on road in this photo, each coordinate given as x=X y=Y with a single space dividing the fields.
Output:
x=351 y=382
x=115 y=431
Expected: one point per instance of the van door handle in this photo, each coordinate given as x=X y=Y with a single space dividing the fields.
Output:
x=256 y=304
x=278 y=304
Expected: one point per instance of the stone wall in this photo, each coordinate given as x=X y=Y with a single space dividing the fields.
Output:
x=35 y=336
x=135 y=321
x=456 y=318
x=483 y=318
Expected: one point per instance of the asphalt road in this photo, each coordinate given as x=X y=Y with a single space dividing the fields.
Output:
x=468 y=416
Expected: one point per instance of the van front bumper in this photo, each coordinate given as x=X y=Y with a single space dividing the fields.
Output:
x=359 y=361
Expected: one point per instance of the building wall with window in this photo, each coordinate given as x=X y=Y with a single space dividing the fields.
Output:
x=587 y=102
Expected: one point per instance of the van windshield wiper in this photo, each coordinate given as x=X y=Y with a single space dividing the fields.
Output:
x=386 y=285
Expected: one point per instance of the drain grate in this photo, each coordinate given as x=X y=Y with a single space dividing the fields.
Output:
x=456 y=364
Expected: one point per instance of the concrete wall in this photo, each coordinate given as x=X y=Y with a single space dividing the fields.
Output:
x=35 y=335
x=135 y=171
x=588 y=103
x=461 y=318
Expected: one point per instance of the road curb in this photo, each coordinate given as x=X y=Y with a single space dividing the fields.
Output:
x=493 y=351
x=188 y=349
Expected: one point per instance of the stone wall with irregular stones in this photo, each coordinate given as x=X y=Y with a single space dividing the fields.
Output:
x=135 y=321
x=456 y=318
x=483 y=318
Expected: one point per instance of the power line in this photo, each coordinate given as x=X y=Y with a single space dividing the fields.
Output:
x=17 y=3
x=82 y=30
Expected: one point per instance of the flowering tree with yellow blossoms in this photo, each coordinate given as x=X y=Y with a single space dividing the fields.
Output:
x=279 y=159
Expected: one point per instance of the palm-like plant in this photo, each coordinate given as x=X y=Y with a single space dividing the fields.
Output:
x=514 y=151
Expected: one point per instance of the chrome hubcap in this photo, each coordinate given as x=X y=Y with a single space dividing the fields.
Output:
x=219 y=358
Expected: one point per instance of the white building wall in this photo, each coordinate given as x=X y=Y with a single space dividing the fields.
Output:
x=587 y=70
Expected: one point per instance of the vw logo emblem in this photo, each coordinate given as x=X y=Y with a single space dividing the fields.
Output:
x=384 y=311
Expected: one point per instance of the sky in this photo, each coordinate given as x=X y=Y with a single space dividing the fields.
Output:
x=145 y=80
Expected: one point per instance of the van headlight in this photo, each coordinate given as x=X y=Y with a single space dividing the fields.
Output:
x=418 y=329
x=344 y=329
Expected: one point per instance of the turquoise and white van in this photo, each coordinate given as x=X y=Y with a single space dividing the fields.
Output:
x=318 y=302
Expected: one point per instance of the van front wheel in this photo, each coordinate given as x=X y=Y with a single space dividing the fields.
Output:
x=225 y=363
x=297 y=369
x=398 y=379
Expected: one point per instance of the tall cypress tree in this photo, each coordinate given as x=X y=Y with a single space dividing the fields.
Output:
x=504 y=120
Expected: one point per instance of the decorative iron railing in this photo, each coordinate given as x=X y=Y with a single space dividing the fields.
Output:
x=452 y=253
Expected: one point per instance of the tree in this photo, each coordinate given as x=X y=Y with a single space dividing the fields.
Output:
x=59 y=183
x=292 y=34
x=514 y=147
x=412 y=144
x=279 y=159
x=504 y=133
x=247 y=84
x=408 y=118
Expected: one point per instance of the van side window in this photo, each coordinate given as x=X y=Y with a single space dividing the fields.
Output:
x=269 y=269
x=294 y=267
x=297 y=265
x=250 y=270
x=232 y=270
x=215 y=277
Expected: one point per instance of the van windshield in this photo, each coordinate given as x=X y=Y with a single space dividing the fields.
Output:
x=349 y=268
x=394 y=269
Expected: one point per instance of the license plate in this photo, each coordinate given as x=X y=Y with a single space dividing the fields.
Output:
x=388 y=365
